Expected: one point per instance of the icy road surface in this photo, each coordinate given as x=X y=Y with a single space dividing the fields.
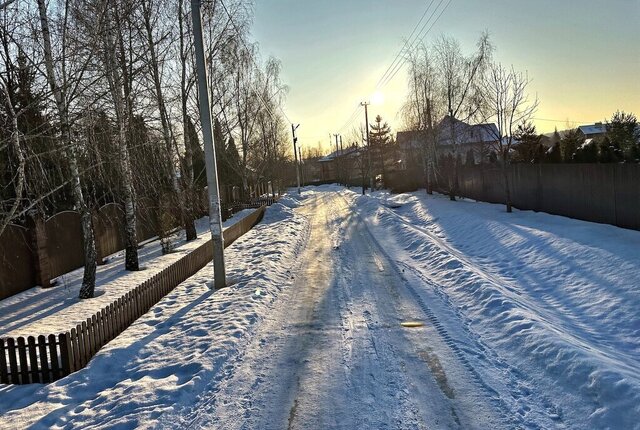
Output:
x=522 y=321
x=334 y=354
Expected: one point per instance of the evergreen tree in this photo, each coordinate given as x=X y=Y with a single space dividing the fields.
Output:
x=624 y=133
x=610 y=152
x=380 y=136
x=569 y=144
x=587 y=153
x=529 y=148
x=554 y=155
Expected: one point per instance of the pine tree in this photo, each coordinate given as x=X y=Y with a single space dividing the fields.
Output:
x=624 y=133
x=529 y=148
x=554 y=155
x=587 y=153
x=569 y=144
x=380 y=135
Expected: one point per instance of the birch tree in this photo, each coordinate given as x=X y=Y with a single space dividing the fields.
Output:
x=118 y=63
x=461 y=77
x=507 y=104
x=423 y=105
x=60 y=86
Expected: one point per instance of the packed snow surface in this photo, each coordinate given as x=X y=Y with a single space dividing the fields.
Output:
x=522 y=320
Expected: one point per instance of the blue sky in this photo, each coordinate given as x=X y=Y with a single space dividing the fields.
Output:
x=583 y=55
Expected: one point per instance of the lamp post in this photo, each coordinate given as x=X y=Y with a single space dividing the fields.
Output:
x=215 y=219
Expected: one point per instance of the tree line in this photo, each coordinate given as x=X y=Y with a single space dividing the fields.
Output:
x=98 y=104
x=471 y=87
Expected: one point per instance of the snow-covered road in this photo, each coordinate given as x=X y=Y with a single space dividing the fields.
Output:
x=335 y=355
x=526 y=321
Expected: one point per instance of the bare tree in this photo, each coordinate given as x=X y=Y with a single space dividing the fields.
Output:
x=461 y=77
x=507 y=103
x=422 y=105
x=60 y=86
x=118 y=62
x=19 y=181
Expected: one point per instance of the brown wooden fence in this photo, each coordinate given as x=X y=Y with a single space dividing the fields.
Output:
x=46 y=249
x=44 y=359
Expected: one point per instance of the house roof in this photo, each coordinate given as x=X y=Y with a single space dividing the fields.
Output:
x=409 y=139
x=465 y=134
x=597 y=128
x=345 y=152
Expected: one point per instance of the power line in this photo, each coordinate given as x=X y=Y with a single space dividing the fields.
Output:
x=399 y=60
x=354 y=115
x=417 y=40
x=405 y=44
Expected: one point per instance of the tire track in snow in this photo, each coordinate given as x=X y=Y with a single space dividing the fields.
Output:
x=519 y=386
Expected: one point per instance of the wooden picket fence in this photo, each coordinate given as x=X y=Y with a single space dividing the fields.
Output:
x=45 y=359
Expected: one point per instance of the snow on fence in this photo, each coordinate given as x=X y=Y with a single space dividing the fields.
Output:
x=45 y=359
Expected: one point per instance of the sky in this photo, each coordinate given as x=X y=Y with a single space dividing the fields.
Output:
x=583 y=56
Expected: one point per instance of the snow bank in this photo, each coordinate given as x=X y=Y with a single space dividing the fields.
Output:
x=184 y=344
x=54 y=310
x=556 y=297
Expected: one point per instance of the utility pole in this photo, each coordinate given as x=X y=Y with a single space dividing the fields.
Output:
x=215 y=219
x=337 y=160
x=301 y=164
x=342 y=163
x=366 y=124
x=295 y=153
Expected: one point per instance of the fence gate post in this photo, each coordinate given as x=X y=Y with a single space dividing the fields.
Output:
x=39 y=244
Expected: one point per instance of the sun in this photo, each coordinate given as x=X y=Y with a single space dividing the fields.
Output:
x=377 y=98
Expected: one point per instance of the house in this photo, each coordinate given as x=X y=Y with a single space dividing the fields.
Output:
x=454 y=136
x=341 y=165
x=591 y=131
x=410 y=145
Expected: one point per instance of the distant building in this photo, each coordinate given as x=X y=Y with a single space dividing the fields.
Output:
x=340 y=165
x=480 y=138
x=591 y=131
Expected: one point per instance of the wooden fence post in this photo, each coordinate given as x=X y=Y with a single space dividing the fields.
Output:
x=36 y=373
x=24 y=364
x=44 y=361
x=66 y=354
x=4 y=372
x=55 y=364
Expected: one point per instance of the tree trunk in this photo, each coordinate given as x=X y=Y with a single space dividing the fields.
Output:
x=88 y=238
x=187 y=181
x=453 y=175
x=119 y=85
x=164 y=119
x=507 y=185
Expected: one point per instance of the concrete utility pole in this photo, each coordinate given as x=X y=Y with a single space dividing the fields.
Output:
x=295 y=153
x=337 y=160
x=215 y=219
x=366 y=124
x=342 y=163
x=301 y=164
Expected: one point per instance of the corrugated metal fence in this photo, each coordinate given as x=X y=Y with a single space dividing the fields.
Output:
x=605 y=193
